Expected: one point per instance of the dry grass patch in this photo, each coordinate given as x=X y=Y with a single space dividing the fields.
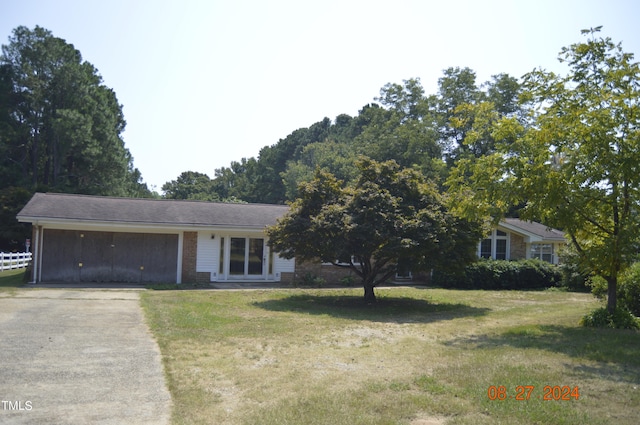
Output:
x=417 y=357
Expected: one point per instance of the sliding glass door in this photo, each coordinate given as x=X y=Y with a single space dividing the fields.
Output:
x=246 y=258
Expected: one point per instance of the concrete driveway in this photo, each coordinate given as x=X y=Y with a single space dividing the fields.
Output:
x=79 y=356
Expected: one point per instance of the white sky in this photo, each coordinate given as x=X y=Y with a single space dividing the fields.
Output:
x=204 y=83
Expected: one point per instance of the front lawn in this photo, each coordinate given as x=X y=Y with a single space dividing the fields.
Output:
x=11 y=279
x=417 y=357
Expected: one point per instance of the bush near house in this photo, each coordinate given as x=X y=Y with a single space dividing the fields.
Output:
x=575 y=276
x=501 y=274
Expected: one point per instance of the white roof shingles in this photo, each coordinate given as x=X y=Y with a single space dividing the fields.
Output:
x=85 y=208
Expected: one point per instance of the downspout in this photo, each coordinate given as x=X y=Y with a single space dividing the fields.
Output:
x=41 y=250
x=36 y=255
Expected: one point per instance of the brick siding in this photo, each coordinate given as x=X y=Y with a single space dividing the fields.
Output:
x=518 y=247
x=330 y=273
x=189 y=256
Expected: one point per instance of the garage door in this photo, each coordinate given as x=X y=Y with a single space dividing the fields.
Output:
x=81 y=256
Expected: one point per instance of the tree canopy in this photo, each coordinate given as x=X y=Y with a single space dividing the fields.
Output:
x=572 y=160
x=391 y=216
x=417 y=130
x=60 y=126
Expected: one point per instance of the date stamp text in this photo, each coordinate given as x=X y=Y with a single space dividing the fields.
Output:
x=527 y=392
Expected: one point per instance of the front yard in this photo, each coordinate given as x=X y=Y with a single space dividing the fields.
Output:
x=418 y=357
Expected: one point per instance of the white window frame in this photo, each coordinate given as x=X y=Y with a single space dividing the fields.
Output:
x=494 y=237
x=539 y=254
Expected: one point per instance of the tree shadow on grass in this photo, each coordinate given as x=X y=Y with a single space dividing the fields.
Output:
x=386 y=309
x=13 y=278
x=615 y=351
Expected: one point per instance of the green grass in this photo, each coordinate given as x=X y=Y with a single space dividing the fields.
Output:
x=12 y=279
x=419 y=356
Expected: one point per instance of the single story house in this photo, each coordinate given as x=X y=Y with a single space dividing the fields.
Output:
x=81 y=238
x=516 y=239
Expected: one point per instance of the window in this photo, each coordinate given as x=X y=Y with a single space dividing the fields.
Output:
x=496 y=246
x=501 y=249
x=404 y=270
x=542 y=251
x=485 y=248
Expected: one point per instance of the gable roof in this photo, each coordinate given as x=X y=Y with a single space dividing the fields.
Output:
x=59 y=207
x=536 y=231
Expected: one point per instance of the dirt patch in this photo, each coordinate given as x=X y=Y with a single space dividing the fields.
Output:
x=434 y=420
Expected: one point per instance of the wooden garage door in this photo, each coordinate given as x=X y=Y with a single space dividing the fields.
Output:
x=60 y=256
x=81 y=256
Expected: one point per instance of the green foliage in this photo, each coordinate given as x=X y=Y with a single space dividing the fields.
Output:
x=390 y=216
x=575 y=276
x=12 y=233
x=570 y=160
x=629 y=295
x=61 y=126
x=337 y=159
x=409 y=127
x=602 y=318
x=311 y=280
x=628 y=289
x=190 y=185
x=348 y=280
x=598 y=287
x=500 y=274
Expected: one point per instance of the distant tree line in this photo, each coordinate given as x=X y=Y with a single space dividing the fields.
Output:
x=427 y=133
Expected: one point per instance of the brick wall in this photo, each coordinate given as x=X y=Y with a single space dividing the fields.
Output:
x=203 y=277
x=333 y=275
x=287 y=277
x=330 y=273
x=518 y=247
x=189 y=256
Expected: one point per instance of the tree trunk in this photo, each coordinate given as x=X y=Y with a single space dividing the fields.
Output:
x=369 y=294
x=612 y=293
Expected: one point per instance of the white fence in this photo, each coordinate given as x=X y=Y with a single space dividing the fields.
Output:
x=14 y=260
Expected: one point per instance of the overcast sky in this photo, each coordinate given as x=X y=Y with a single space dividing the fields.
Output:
x=204 y=83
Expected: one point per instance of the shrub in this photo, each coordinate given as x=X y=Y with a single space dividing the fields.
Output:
x=348 y=280
x=620 y=319
x=629 y=289
x=500 y=274
x=598 y=287
x=575 y=277
x=310 y=279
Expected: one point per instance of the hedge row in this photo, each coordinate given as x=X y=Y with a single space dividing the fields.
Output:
x=500 y=274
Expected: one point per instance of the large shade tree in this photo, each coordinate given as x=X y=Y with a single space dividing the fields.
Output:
x=391 y=217
x=60 y=126
x=574 y=161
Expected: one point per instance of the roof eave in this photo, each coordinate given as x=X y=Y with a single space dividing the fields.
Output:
x=529 y=236
x=132 y=224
